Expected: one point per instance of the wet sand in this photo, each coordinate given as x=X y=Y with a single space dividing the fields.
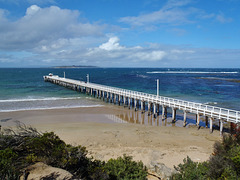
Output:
x=107 y=133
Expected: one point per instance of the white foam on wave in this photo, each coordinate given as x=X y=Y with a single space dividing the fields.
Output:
x=39 y=99
x=224 y=85
x=211 y=103
x=142 y=76
x=47 y=108
x=190 y=72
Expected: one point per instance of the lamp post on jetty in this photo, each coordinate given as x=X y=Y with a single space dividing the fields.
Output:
x=87 y=78
x=157 y=87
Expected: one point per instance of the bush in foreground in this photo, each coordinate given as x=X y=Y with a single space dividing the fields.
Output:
x=125 y=168
x=190 y=170
x=223 y=164
x=26 y=146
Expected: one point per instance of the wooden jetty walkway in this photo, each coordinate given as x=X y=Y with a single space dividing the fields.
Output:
x=150 y=102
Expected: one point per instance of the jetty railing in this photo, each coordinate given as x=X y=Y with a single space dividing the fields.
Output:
x=228 y=115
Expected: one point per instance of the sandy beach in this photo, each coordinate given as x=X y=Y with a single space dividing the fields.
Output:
x=111 y=131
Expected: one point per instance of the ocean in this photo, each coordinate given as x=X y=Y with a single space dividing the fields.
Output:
x=25 y=89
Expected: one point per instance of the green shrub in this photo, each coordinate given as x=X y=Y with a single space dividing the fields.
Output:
x=229 y=174
x=26 y=146
x=226 y=158
x=21 y=148
x=125 y=168
x=191 y=170
x=235 y=158
x=7 y=159
x=223 y=164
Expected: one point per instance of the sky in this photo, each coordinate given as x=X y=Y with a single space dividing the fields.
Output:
x=120 y=33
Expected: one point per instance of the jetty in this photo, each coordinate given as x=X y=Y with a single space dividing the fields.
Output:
x=150 y=103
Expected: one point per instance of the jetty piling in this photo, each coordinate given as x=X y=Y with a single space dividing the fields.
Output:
x=138 y=101
x=184 y=118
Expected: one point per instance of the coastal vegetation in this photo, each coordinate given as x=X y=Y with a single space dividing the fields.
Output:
x=25 y=146
x=224 y=163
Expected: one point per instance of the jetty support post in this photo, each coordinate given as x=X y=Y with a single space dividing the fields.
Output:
x=138 y=104
x=206 y=121
x=119 y=99
x=107 y=96
x=163 y=112
x=198 y=120
x=174 y=115
x=211 y=124
x=135 y=104
x=154 y=110
x=98 y=93
x=129 y=102
x=103 y=94
x=143 y=106
x=111 y=97
x=115 y=98
x=149 y=108
x=158 y=109
x=221 y=127
x=184 y=118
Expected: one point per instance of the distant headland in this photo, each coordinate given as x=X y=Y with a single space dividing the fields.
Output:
x=73 y=66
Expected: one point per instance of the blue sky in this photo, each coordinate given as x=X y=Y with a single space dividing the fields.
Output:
x=120 y=33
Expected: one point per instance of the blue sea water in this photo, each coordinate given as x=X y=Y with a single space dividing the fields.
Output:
x=24 y=88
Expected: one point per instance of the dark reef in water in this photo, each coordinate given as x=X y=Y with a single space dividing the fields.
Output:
x=73 y=66
x=224 y=79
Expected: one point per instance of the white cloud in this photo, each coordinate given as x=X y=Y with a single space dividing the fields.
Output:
x=55 y=36
x=174 y=13
x=153 y=55
x=113 y=50
x=178 y=31
x=32 y=10
x=40 y=2
x=173 y=16
x=149 y=56
x=177 y=51
x=222 y=19
x=176 y=3
x=112 y=44
x=156 y=55
x=37 y=2
x=170 y=13
x=43 y=26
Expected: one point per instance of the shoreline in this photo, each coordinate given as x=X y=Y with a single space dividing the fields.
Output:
x=105 y=136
